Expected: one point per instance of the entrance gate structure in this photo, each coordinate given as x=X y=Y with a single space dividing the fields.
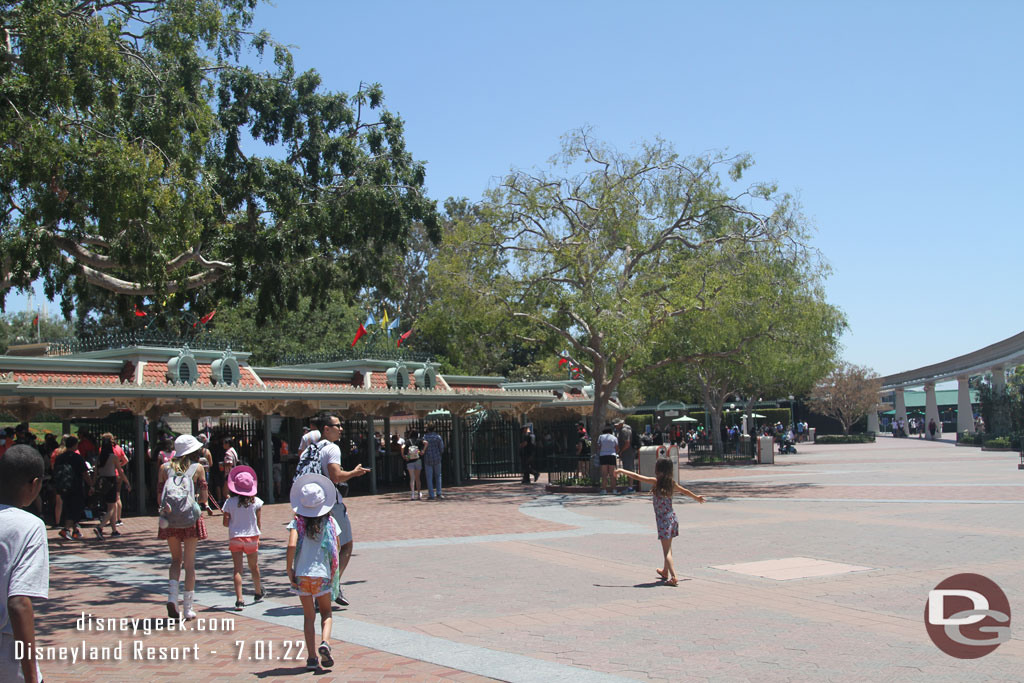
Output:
x=139 y=382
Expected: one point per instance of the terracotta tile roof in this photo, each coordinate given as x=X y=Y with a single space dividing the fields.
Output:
x=69 y=377
x=156 y=372
x=291 y=384
x=379 y=380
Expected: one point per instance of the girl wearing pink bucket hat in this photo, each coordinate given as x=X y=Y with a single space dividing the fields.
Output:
x=242 y=518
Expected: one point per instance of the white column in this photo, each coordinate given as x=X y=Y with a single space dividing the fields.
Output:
x=873 y=419
x=998 y=380
x=964 y=411
x=901 y=409
x=931 y=411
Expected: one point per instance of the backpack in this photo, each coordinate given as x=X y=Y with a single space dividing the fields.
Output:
x=309 y=461
x=412 y=454
x=178 y=504
x=64 y=476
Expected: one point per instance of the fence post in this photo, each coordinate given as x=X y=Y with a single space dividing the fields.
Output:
x=371 y=448
x=455 y=443
x=268 y=458
x=141 y=456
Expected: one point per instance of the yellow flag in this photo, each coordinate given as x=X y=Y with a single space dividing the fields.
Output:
x=384 y=321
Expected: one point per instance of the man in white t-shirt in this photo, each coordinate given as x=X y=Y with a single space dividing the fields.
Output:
x=331 y=432
x=24 y=561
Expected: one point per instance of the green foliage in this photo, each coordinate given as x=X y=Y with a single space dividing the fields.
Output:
x=844 y=438
x=312 y=327
x=1012 y=442
x=136 y=169
x=609 y=255
x=17 y=328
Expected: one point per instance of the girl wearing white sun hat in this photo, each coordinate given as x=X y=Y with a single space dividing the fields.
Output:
x=312 y=560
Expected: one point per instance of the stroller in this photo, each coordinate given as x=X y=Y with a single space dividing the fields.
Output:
x=787 y=447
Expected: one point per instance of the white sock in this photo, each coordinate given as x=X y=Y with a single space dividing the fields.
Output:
x=172 y=591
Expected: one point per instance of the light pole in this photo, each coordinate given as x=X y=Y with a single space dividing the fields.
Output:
x=791 y=424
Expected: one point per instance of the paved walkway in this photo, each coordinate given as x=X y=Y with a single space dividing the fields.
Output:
x=502 y=581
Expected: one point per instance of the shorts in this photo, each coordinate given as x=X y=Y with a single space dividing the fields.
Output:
x=277 y=472
x=414 y=465
x=608 y=460
x=110 y=490
x=248 y=545
x=340 y=516
x=313 y=586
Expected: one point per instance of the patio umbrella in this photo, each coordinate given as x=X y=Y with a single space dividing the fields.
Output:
x=756 y=416
x=684 y=418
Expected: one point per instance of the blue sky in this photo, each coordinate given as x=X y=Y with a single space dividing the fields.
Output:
x=897 y=124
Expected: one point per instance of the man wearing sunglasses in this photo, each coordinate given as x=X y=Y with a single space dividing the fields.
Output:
x=329 y=452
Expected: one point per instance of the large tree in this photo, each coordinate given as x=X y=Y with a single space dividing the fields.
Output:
x=846 y=394
x=142 y=155
x=772 y=334
x=603 y=250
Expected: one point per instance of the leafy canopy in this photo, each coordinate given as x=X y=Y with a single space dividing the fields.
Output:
x=140 y=155
x=602 y=250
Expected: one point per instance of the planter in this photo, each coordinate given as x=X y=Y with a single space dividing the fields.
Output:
x=970 y=445
x=998 y=450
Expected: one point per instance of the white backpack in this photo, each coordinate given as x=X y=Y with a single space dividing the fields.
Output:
x=178 y=504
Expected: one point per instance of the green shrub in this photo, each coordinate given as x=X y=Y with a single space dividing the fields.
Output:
x=971 y=439
x=845 y=438
x=998 y=442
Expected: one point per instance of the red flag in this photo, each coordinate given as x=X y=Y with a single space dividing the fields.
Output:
x=404 y=337
x=562 y=361
x=359 y=334
x=208 y=317
x=35 y=321
x=139 y=313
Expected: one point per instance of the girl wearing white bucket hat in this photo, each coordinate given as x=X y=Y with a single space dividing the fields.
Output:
x=312 y=560
x=187 y=479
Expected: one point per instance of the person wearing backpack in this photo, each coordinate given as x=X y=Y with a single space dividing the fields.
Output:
x=411 y=454
x=324 y=457
x=180 y=493
x=72 y=482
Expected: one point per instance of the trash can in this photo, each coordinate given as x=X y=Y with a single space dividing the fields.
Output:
x=766 y=450
x=810 y=433
x=648 y=456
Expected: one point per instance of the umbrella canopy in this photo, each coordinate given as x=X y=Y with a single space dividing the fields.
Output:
x=756 y=415
x=684 y=418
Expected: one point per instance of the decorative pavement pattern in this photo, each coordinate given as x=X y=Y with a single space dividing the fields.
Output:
x=816 y=568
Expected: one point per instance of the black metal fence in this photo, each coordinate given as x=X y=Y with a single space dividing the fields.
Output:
x=736 y=452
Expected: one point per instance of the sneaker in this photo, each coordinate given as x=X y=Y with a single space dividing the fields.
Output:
x=120 y=523
x=341 y=600
x=312 y=664
x=98 y=532
x=63 y=533
x=412 y=496
x=326 y=660
x=115 y=532
x=78 y=535
x=440 y=497
x=419 y=495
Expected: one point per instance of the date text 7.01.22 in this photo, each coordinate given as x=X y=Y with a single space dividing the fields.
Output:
x=270 y=650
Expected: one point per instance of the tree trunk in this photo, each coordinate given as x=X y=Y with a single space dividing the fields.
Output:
x=716 y=426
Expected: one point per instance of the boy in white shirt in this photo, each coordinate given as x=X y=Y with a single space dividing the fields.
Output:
x=24 y=561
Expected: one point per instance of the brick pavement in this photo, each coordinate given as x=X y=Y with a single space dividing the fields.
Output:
x=567 y=582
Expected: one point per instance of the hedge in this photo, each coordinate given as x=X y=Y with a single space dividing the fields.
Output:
x=845 y=438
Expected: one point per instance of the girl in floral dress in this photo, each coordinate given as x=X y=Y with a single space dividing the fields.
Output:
x=664 y=486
